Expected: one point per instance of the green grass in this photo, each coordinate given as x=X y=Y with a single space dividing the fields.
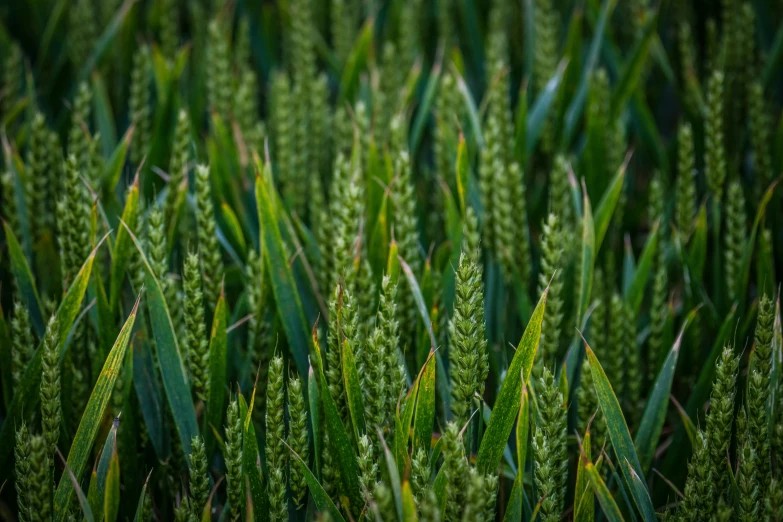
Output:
x=391 y=260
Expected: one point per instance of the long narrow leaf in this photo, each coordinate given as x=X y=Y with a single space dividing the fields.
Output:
x=26 y=396
x=655 y=412
x=24 y=278
x=618 y=431
x=283 y=286
x=172 y=369
x=216 y=397
x=510 y=395
x=643 y=269
x=93 y=414
x=608 y=505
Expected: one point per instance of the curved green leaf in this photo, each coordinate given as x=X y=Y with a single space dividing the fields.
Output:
x=639 y=490
x=608 y=505
x=539 y=113
x=633 y=69
x=122 y=248
x=509 y=397
x=574 y=111
x=91 y=420
x=588 y=256
x=618 y=432
x=233 y=229
x=423 y=111
x=24 y=278
x=408 y=504
x=642 y=274
x=284 y=289
x=747 y=255
x=172 y=369
x=216 y=395
x=655 y=412
x=353 y=389
x=425 y=406
x=607 y=205
x=584 y=497
x=356 y=62
x=26 y=397
x=339 y=442
x=322 y=500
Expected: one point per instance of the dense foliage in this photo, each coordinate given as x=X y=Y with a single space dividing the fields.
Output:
x=391 y=260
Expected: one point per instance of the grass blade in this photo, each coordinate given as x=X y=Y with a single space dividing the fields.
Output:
x=509 y=397
x=608 y=505
x=642 y=274
x=639 y=489
x=408 y=504
x=655 y=412
x=24 y=278
x=82 y=499
x=584 y=497
x=632 y=72
x=283 y=286
x=588 y=256
x=26 y=397
x=523 y=430
x=91 y=420
x=607 y=205
x=618 y=432
x=112 y=171
x=574 y=111
x=341 y=447
x=353 y=389
x=140 y=506
x=170 y=363
x=111 y=493
x=121 y=253
x=149 y=394
x=216 y=396
x=425 y=406
x=747 y=255
x=356 y=62
x=539 y=112
x=320 y=497
x=423 y=111
x=102 y=45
